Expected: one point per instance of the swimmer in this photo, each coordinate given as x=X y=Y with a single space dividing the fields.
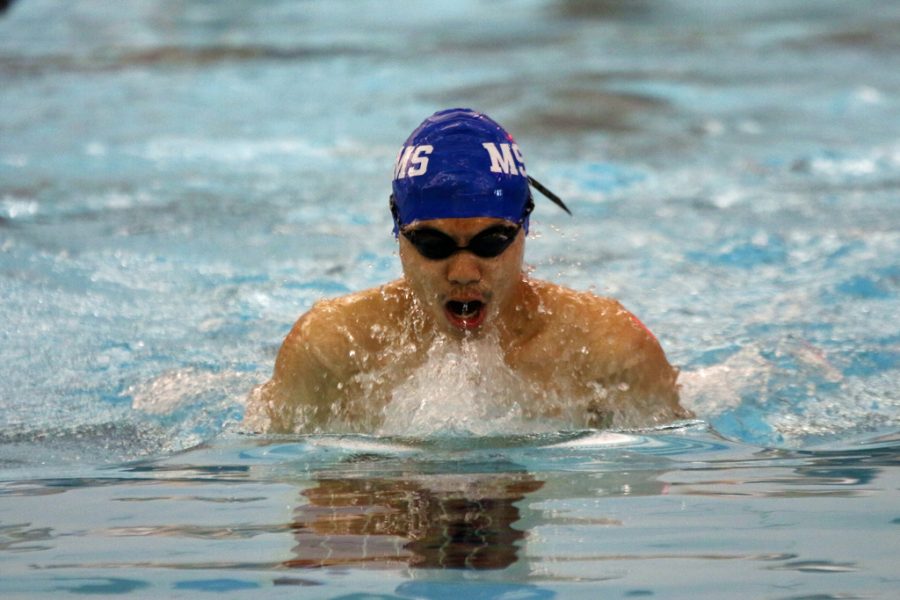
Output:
x=461 y=204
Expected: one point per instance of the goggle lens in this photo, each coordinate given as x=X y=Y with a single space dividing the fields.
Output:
x=437 y=245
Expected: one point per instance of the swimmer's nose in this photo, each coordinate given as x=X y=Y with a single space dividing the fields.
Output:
x=463 y=269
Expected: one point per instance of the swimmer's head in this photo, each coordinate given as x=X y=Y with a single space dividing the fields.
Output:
x=460 y=163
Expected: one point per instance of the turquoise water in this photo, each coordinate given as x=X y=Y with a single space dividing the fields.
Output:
x=180 y=180
x=678 y=514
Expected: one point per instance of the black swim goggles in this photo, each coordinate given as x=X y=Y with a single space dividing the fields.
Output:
x=434 y=244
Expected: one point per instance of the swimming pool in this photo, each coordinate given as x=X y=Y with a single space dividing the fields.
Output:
x=180 y=180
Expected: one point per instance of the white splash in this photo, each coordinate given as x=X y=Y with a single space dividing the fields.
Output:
x=462 y=388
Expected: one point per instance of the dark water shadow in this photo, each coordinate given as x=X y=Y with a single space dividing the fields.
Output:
x=442 y=521
x=612 y=10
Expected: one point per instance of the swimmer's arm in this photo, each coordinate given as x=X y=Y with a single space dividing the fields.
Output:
x=303 y=387
x=636 y=375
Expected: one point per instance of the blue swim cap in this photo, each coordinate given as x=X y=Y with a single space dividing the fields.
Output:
x=460 y=163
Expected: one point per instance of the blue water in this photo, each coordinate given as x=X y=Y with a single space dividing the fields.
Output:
x=180 y=180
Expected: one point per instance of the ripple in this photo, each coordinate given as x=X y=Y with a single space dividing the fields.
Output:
x=816 y=566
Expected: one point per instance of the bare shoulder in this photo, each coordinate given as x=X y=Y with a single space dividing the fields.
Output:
x=328 y=332
x=610 y=348
x=603 y=325
x=321 y=353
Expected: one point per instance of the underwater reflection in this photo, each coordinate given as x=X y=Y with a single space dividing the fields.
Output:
x=444 y=521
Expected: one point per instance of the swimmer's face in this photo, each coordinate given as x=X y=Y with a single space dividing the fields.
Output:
x=465 y=292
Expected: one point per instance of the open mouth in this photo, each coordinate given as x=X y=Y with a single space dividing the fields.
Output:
x=465 y=314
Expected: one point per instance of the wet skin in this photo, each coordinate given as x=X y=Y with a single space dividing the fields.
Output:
x=582 y=358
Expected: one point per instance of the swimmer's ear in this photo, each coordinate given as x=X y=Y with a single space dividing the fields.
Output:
x=550 y=195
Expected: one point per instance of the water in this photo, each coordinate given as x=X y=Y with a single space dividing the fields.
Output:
x=676 y=514
x=180 y=180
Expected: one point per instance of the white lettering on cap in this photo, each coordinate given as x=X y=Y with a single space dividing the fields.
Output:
x=412 y=161
x=507 y=159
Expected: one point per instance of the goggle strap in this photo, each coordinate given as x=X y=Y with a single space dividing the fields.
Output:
x=395 y=213
x=548 y=194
